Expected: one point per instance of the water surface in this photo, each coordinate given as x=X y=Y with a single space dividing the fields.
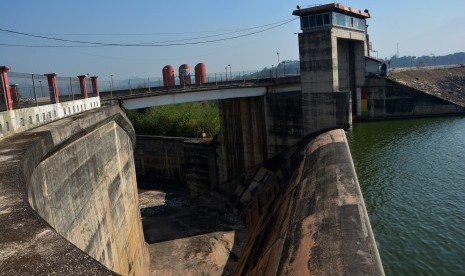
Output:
x=412 y=174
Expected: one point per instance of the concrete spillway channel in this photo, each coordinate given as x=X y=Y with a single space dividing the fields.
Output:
x=299 y=213
x=69 y=206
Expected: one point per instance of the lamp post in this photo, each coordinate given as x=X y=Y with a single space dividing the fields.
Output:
x=226 y=68
x=277 y=67
x=111 y=87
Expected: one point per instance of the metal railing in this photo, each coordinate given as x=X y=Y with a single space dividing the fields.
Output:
x=212 y=78
x=34 y=90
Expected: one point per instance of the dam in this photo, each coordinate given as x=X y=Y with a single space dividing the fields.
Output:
x=278 y=183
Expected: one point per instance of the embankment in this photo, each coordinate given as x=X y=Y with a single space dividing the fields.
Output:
x=415 y=92
x=78 y=175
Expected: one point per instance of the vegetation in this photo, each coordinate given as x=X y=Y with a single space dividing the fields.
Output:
x=181 y=120
x=430 y=60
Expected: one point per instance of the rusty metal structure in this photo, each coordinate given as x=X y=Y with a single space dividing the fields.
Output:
x=168 y=75
x=184 y=75
x=200 y=74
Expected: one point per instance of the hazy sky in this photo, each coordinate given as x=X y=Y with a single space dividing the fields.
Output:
x=419 y=27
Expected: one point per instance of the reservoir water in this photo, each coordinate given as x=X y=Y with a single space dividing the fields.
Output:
x=412 y=174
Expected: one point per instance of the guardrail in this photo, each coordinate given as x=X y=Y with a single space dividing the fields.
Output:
x=23 y=90
x=130 y=84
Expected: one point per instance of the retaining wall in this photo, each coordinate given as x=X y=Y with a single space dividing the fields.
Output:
x=78 y=174
x=186 y=160
x=388 y=99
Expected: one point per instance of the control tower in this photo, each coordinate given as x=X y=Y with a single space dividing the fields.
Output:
x=332 y=46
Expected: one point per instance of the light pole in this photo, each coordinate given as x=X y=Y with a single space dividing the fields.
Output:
x=111 y=87
x=226 y=68
x=230 y=72
x=277 y=67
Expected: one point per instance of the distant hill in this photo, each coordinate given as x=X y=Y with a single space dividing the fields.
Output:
x=430 y=60
x=287 y=67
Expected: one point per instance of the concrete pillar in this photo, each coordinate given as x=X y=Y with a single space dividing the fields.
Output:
x=53 y=87
x=6 y=87
x=83 y=85
x=95 y=86
x=14 y=91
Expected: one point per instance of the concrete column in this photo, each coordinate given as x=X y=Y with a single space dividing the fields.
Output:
x=6 y=87
x=14 y=91
x=95 y=85
x=53 y=87
x=83 y=85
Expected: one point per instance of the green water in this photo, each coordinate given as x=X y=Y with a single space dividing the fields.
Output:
x=412 y=174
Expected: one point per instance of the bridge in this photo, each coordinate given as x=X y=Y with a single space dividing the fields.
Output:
x=156 y=96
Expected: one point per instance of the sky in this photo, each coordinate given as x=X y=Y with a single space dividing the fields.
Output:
x=416 y=27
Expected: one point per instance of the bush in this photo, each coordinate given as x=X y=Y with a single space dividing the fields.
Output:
x=181 y=120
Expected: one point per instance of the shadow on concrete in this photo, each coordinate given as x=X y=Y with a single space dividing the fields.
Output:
x=178 y=218
x=186 y=238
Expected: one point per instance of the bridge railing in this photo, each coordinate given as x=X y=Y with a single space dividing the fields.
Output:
x=22 y=90
x=143 y=85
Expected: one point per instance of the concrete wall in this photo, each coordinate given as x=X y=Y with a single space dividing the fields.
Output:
x=389 y=99
x=18 y=120
x=317 y=72
x=284 y=120
x=78 y=174
x=158 y=156
x=325 y=110
x=243 y=140
x=188 y=161
x=305 y=214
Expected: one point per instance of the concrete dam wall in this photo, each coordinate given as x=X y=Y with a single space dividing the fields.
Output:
x=305 y=214
x=303 y=208
x=78 y=175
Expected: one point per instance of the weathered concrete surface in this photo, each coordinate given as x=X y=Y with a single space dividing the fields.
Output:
x=182 y=160
x=305 y=214
x=242 y=139
x=387 y=98
x=185 y=239
x=447 y=83
x=327 y=63
x=30 y=246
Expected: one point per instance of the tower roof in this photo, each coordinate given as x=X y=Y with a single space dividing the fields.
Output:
x=332 y=7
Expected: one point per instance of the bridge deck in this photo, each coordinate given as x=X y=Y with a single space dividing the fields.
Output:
x=145 y=97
